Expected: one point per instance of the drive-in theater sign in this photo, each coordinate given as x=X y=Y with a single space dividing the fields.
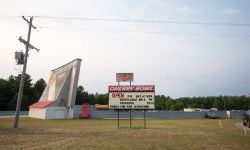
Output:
x=132 y=97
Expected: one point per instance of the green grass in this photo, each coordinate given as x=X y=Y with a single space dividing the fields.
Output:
x=104 y=134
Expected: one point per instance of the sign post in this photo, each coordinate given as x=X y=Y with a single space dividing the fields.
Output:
x=118 y=117
x=124 y=77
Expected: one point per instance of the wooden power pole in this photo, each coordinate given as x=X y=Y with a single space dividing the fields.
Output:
x=27 y=47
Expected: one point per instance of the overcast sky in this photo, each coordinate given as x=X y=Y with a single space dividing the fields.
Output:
x=185 y=48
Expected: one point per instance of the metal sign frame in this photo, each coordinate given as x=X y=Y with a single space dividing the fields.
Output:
x=130 y=112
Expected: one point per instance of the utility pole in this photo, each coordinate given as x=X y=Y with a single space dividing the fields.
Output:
x=27 y=47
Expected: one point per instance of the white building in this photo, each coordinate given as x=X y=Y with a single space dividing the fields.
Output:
x=191 y=109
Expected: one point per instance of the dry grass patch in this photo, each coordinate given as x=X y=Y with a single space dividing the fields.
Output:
x=104 y=134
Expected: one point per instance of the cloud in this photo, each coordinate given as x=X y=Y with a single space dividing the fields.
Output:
x=185 y=9
x=229 y=11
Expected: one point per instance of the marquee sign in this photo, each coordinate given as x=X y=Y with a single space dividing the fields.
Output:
x=132 y=97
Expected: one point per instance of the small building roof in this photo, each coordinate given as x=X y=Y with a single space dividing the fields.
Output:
x=41 y=104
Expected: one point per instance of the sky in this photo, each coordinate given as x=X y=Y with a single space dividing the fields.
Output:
x=184 y=48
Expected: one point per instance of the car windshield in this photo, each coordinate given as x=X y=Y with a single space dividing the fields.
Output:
x=212 y=114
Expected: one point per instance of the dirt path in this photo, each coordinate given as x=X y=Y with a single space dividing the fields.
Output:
x=240 y=125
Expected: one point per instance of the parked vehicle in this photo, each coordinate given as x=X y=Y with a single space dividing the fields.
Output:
x=211 y=115
x=246 y=119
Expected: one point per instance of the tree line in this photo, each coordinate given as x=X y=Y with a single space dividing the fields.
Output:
x=9 y=92
x=220 y=102
x=32 y=92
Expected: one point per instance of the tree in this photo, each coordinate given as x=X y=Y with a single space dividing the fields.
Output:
x=9 y=90
x=38 y=89
x=12 y=103
x=101 y=99
x=28 y=92
x=169 y=103
x=160 y=102
x=177 y=106
x=81 y=96
x=216 y=103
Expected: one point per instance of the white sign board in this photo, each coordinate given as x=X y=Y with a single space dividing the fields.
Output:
x=132 y=97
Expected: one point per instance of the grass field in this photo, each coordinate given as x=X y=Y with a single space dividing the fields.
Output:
x=104 y=134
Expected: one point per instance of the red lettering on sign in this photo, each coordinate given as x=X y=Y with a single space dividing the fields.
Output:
x=118 y=95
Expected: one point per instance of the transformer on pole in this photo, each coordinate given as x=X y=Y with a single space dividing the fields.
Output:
x=19 y=57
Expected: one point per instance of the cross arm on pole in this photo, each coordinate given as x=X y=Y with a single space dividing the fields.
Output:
x=29 y=45
x=28 y=22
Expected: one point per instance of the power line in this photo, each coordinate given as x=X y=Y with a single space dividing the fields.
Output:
x=145 y=40
x=136 y=20
x=10 y=29
x=9 y=17
x=148 y=21
x=148 y=32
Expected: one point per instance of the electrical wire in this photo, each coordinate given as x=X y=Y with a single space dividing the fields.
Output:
x=9 y=17
x=135 y=20
x=148 y=32
x=143 y=40
x=148 y=21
